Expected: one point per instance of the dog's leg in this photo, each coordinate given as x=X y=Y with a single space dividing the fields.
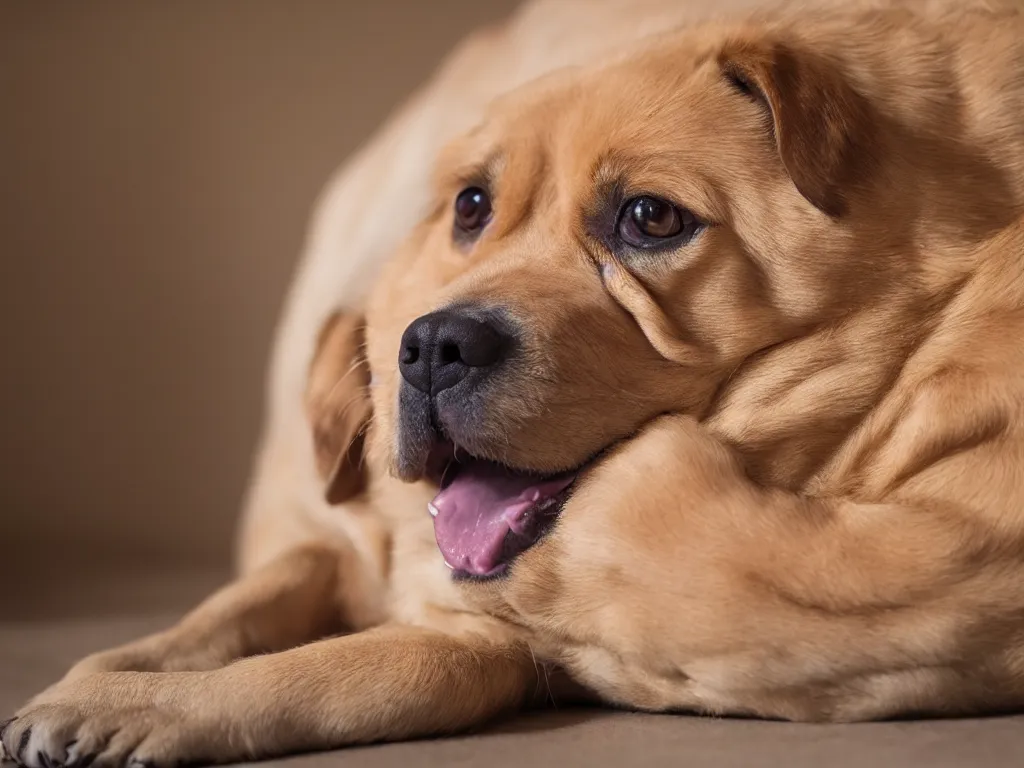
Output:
x=290 y=601
x=387 y=683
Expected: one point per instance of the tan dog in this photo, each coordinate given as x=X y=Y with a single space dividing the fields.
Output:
x=809 y=238
x=804 y=237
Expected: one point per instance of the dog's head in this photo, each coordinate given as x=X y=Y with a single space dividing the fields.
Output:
x=617 y=243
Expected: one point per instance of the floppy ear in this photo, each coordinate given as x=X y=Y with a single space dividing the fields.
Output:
x=338 y=405
x=825 y=131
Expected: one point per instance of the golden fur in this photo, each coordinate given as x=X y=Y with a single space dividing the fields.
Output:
x=812 y=415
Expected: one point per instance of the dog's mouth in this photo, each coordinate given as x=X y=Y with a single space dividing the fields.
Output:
x=486 y=514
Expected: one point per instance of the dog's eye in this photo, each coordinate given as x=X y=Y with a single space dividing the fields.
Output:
x=647 y=222
x=472 y=209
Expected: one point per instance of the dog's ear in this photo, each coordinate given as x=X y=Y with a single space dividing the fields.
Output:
x=825 y=130
x=338 y=405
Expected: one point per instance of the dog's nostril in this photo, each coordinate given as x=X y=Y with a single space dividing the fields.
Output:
x=410 y=355
x=450 y=354
x=443 y=348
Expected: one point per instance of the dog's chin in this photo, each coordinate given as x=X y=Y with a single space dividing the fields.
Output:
x=487 y=513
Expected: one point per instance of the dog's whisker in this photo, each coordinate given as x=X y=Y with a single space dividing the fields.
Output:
x=540 y=672
x=346 y=407
x=341 y=380
x=444 y=472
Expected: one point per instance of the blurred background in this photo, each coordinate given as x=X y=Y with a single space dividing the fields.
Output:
x=158 y=166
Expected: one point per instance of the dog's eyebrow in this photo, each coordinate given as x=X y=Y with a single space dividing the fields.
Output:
x=619 y=173
x=620 y=166
x=483 y=173
x=611 y=166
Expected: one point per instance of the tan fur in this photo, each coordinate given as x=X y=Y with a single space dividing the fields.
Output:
x=828 y=525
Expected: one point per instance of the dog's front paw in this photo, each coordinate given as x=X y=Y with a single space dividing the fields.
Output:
x=104 y=725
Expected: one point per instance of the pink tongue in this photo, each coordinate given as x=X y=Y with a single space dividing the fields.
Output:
x=474 y=514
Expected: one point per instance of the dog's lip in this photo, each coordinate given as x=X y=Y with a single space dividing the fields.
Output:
x=441 y=465
x=439 y=462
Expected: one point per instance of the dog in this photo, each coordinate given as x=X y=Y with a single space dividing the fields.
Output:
x=742 y=227
x=707 y=393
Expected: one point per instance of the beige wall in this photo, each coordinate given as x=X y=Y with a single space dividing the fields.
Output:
x=158 y=162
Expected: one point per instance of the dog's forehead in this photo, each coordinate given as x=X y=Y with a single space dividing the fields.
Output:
x=662 y=119
x=655 y=101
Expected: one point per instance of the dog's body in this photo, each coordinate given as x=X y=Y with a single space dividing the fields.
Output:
x=829 y=527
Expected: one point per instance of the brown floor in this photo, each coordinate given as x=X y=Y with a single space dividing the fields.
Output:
x=35 y=649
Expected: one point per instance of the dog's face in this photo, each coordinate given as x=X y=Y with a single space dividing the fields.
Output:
x=611 y=245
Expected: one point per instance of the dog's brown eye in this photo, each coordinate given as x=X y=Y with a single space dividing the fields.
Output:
x=647 y=221
x=472 y=209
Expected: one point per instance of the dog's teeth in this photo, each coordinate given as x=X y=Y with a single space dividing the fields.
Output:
x=432 y=509
x=449 y=566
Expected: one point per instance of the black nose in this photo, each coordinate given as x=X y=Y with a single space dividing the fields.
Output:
x=441 y=349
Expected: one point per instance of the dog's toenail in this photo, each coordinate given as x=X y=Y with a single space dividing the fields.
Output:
x=69 y=760
x=4 y=754
x=23 y=743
